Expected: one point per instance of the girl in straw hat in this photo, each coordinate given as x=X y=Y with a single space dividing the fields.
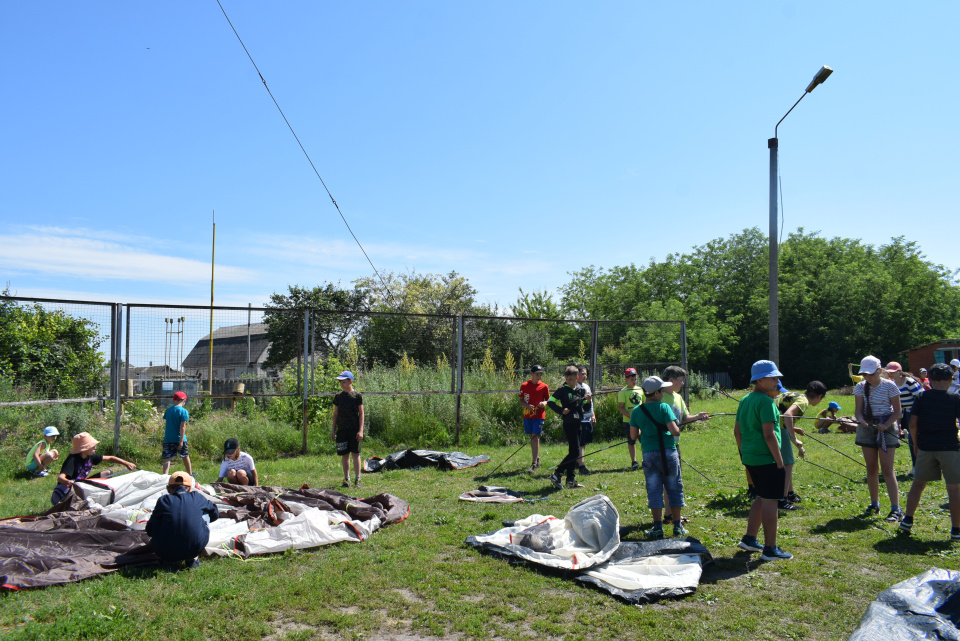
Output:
x=77 y=466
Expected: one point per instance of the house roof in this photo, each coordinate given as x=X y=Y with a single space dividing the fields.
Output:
x=230 y=347
x=941 y=342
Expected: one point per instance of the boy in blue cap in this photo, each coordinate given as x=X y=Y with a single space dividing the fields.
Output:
x=827 y=417
x=347 y=430
x=757 y=430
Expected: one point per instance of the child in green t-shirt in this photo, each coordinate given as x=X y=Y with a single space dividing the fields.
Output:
x=41 y=455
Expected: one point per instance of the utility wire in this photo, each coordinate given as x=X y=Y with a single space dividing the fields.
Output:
x=297 y=138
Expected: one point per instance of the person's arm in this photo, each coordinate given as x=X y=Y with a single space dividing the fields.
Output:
x=183 y=432
x=114 y=459
x=210 y=510
x=788 y=420
x=256 y=477
x=333 y=432
x=223 y=471
x=555 y=404
x=527 y=406
x=736 y=434
x=673 y=429
x=63 y=480
x=36 y=456
x=360 y=433
x=897 y=412
x=770 y=436
x=623 y=410
x=858 y=401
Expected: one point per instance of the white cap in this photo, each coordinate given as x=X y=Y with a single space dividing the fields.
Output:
x=869 y=365
x=51 y=431
x=955 y=362
x=653 y=384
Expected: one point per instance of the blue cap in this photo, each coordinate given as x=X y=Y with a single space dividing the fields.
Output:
x=833 y=406
x=763 y=369
x=345 y=375
x=781 y=388
x=51 y=431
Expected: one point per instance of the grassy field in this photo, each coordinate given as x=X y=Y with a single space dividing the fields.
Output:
x=418 y=580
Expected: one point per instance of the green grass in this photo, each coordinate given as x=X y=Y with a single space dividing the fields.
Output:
x=418 y=578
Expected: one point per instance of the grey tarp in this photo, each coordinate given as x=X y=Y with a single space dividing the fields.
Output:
x=923 y=607
x=423 y=458
x=492 y=494
x=586 y=542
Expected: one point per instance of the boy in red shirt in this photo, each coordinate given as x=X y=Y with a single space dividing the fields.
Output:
x=533 y=396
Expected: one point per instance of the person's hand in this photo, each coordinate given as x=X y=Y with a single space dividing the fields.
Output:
x=333 y=436
x=799 y=431
x=131 y=466
x=542 y=404
x=360 y=435
x=703 y=416
x=802 y=452
x=862 y=422
x=566 y=410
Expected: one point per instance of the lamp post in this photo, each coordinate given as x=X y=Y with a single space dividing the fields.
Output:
x=772 y=144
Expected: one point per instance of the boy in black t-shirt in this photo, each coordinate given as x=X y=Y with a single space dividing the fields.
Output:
x=348 y=427
x=933 y=427
x=567 y=401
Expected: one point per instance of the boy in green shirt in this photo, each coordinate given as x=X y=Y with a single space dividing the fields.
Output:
x=757 y=430
x=627 y=399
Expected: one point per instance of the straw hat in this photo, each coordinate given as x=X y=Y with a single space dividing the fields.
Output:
x=82 y=441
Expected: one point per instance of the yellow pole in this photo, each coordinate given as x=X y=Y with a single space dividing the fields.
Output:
x=213 y=256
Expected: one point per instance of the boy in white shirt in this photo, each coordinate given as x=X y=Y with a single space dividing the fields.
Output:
x=238 y=467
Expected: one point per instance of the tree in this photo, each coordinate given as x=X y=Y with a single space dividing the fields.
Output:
x=55 y=354
x=330 y=329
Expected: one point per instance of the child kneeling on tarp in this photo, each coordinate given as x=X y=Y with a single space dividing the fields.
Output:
x=178 y=526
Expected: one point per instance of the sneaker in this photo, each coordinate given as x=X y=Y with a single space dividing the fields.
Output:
x=654 y=533
x=955 y=534
x=583 y=471
x=535 y=465
x=357 y=483
x=750 y=544
x=40 y=473
x=793 y=497
x=906 y=524
x=572 y=484
x=192 y=565
x=634 y=466
x=873 y=508
x=557 y=483
x=679 y=530
x=774 y=553
x=345 y=483
x=895 y=515
x=787 y=506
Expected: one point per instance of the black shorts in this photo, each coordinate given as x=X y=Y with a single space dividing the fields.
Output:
x=769 y=480
x=586 y=433
x=348 y=444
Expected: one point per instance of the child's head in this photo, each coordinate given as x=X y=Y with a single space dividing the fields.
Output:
x=50 y=434
x=570 y=374
x=653 y=388
x=676 y=375
x=955 y=364
x=765 y=376
x=536 y=373
x=581 y=373
x=179 y=481
x=834 y=407
x=346 y=380
x=870 y=369
x=84 y=444
x=815 y=392
x=941 y=376
x=630 y=375
x=923 y=372
x=231 y=449
x=179 y=397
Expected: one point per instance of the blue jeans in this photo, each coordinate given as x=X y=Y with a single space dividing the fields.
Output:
x=656 y=479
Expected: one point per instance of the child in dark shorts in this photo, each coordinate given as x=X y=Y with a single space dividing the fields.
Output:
x=757 y=430
x=347 y=430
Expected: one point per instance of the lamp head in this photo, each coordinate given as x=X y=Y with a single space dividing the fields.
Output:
x=818 y=79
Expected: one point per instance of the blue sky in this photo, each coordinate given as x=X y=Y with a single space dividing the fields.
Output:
x=511 y=142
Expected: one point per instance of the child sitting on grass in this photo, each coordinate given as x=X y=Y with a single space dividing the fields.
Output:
x=77 y=466
x=655 y=425
x=237 y=467
x=37 y=461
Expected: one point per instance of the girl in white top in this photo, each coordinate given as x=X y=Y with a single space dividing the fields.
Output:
x=877 y=413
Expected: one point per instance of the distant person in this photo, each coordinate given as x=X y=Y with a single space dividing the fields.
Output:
x=77 y=466
x=533 y=397
x=955 y=385
x=175 y=434
x=41 y=455
x=853 y=377
x=910 y=389
x=827 y=417
x=628 y=398
x=587 y=420
x=347 y=430
x=757 y=431
x=654 y=424
x=568 y=403
x=178 y=526
x=922 y=378
x=793 y=405
x=933 y=423
x=237 y=467
x=878 y=410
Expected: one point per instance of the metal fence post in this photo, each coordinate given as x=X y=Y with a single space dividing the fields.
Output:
x=115 y=355
x=459 y=356
x=594 y=346
x=453 y=364
x=306 y=343
x=683 y=359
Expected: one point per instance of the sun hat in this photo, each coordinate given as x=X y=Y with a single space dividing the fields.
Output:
x=781 y=388
x=834 y=406
x=536 y=369
x=181 y=478
x=941 y=372
x=179 y=396
x=51 y=431
x=630 y=372
x=894 y=366
x=869 y=364
x=231 y=446
x=82 y=441
x=763 y=369
x=653 y=384
x=345 y=375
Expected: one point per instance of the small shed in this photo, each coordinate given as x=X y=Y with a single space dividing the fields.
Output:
x=237 y=350
x=941 y=351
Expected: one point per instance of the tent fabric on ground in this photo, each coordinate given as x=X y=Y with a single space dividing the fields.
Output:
x=492 y=494
x=923 y=607
x=587 y=541
x=408 y=459
x=104 y=531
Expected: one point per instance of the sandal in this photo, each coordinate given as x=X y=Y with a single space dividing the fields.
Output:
x=669 y=519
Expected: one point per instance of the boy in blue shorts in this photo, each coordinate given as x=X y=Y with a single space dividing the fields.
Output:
x=655 y=425
x=757 y=430
x=533 y=396
x=175 y=434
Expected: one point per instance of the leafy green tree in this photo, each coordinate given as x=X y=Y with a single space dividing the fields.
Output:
x=55 y=354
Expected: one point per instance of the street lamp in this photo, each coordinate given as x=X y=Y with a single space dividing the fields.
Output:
x=822 y=75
